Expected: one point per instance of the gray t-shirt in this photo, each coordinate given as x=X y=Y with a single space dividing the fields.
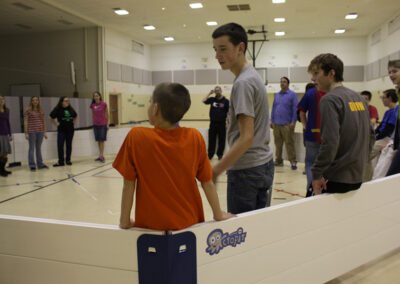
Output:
x=347 y=137
x=249 y=97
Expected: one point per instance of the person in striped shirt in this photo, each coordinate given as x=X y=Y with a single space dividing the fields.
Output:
x=35 y=130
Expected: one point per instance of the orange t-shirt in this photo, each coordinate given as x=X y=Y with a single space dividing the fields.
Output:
x=166 y=164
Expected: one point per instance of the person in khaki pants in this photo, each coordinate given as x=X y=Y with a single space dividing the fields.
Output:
x=283 y=121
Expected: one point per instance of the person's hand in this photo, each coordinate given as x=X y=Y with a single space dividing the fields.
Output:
x=108 y=127
x=10 y=138
x=127 y=225
x=223 y=216
x=318 y=185
x=292 y=125
x=45 y=135
x=26 y=136
x=211 y=92
x=271 y=125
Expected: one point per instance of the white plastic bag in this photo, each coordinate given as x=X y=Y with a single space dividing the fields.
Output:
x=384 y=161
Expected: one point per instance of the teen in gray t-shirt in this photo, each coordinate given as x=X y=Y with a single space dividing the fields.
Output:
x=249 y=97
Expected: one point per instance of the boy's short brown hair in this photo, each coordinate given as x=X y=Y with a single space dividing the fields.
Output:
x=394 y=63
x=327 y=62
x=173 y=99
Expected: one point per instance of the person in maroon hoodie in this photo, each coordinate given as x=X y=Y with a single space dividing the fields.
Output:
x=5 y=136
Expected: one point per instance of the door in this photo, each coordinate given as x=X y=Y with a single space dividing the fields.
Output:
x=114 y=109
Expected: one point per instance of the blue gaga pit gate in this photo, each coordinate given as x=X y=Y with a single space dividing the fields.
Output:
x=168 y=259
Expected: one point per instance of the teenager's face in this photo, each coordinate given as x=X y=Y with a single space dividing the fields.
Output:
x=2 y=101
x=65 y=102
x=394 y=74
x=226 y=53
x=386 y=100
x=366 y=98
x=322 y=82
x=35 y=101
x=96 y=97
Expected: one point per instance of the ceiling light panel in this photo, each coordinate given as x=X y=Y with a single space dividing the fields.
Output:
x=120 y=12
x=279 y=20
x=278 y=1
x=196 y=5
x=149 y=28
x=280 y=33
x=340 y=31
x=212 y=23
x=351 y=16
x=169 y=38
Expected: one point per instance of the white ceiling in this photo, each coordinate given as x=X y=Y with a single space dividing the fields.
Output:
x=304 y=18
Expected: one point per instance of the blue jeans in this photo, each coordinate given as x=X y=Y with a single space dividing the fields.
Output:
x=35 y=143
x=312 y=149
x=250 y=189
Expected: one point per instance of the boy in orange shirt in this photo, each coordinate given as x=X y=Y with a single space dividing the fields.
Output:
x=163 y=163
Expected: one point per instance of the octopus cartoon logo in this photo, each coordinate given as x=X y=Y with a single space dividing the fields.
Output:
x=217 y=240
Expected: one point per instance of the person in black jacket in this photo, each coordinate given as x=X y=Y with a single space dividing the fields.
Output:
x=66 y=118
x=218 y=111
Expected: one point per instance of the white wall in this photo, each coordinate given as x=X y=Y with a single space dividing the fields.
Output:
x=118 y=49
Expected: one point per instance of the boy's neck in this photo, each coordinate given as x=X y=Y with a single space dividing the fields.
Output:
x=241 y=64
x=165 y=125
x=335 y=85
x=392 y=105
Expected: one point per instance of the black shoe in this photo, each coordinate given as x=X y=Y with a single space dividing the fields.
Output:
x=219 y=158
x=33 y=169
x=7 y=172
x=43 y=167
x=68 y=163
x=58 y=165
x=3 y=174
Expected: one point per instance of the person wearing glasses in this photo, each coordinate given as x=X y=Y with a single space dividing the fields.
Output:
x=66 y=118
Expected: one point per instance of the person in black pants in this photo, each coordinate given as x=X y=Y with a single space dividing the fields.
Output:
x=219 y=107
x=66 y=117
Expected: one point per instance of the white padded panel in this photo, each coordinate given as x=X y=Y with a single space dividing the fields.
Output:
x=113 y=71
x=206 y=77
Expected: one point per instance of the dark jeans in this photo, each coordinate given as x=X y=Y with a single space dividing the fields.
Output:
x=338 y=187
x=312 y=150
x=217 y=129
x=395 y=165
x=64 y=135
x=250 y=189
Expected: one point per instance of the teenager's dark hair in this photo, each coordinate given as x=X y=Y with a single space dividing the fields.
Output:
x=367 y=93
x=394 y=63
x=391 y=93
x=286 y=78
x=101 y=97
x=310 y=86
x=173 y=99
x=235 y=32
x=328 y=62
x=6 y=110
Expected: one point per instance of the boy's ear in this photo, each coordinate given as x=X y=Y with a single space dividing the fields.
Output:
x=242 y=47
x=156 y=109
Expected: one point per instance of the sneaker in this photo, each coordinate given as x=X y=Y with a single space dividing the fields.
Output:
x=102 y=159
x=68 y=163
x=58 y=165
x=98 y=159
x=43 y=167
x=219 y=158
x=278 y=164
x=294 y=167
x=33 y=169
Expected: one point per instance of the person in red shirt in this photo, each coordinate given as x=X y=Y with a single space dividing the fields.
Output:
x=163 y=163
x=373 y=112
